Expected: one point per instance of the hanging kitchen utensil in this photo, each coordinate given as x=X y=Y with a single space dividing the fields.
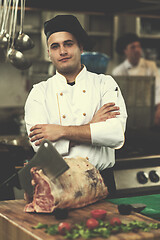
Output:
x=11 y=25
x=4 y=36
x=1 y=12
x=16 y=57
x=3 y=15
x=23 y=41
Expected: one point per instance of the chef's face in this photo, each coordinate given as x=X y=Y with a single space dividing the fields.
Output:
x=65 y=52
x=133 y=52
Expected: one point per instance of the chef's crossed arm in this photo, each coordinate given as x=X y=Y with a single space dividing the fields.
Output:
x=54 y=132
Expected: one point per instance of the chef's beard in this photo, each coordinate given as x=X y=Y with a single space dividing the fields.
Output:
x=66 y=70
x=69 y=70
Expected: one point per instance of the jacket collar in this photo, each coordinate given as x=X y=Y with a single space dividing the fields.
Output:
x=79 y=77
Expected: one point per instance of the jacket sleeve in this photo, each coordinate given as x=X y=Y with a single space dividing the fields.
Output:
x=35 y=113
x=110 y=133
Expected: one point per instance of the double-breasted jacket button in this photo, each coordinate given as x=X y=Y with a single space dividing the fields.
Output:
x=84 y=114
x=63 y=116
x=84 y=91
x=87 y=158
x=61 y=94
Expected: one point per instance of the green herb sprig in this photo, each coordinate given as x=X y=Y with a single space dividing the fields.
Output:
x=104 y=230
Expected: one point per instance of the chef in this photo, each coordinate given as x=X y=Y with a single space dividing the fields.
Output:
x=135 y=65
x=82 y=113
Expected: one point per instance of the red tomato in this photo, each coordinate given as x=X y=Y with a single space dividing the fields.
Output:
x=63 y=226
x=115 y=221
x=98 y=214
x=92 y=223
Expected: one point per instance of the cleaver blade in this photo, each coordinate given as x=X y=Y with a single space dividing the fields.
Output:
x=46 y=158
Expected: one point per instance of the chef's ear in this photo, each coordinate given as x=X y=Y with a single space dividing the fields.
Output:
x=48 y=54
x=81 y=48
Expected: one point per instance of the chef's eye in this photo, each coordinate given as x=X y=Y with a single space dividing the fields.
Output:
x=54 y=47
x=68 y=44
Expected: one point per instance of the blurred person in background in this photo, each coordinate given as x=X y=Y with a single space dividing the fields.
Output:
x=134 y=64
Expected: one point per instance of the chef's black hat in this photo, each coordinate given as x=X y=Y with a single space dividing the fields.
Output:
x=67 y=23
x=124 y=40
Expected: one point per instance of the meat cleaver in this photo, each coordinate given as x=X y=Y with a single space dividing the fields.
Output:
x=48 y=159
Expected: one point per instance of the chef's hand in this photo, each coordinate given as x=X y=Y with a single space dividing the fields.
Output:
x=39 y=132
x=107 y=111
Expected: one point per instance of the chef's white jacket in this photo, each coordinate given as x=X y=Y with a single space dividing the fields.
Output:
x=144 y=68
x=56 y=102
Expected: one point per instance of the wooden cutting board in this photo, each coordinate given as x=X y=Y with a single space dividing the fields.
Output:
x=17 y=225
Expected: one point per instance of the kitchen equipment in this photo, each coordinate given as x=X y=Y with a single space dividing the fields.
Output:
x=14 y=150
x=16 y=57
x=20 y=224
x=151 y=203
x=46 y=158
x=4 y=36
x=1 y=12
x=137 y=168
x=95 y=62
x=23 y=41
x=138 y=207
x=7 y=169
x=15 y=141
x=126 y=209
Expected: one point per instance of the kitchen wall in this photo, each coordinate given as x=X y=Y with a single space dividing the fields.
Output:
x=13 y=86
x=13 y=94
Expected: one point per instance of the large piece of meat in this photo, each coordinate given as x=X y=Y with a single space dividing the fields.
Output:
x=79 y=186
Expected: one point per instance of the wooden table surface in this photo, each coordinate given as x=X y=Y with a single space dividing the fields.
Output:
x=15 y=224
